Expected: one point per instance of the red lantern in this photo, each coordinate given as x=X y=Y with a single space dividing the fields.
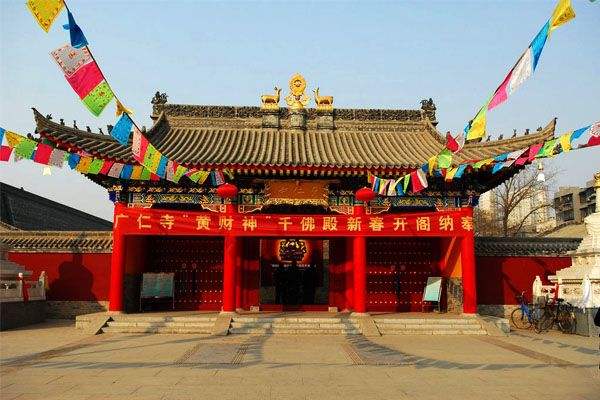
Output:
x=364 y=194
x=227 y=191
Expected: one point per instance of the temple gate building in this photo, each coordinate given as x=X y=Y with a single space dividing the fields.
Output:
x=294 y=227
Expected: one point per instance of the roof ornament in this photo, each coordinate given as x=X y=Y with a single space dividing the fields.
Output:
x=527 y=131
x=88 y=129
x=159 y=100
x=62 y=121
x=75 y=124
x=297 y=99
x=49 y=117
x=514 y=133
x=270 y=101
x=428 y=107
x=323 y=102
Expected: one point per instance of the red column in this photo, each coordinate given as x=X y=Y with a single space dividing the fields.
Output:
x=239 y=262
x=117 y=265
x=348 y=274
x=229 y=265
x=359 y=256
x=467 y=260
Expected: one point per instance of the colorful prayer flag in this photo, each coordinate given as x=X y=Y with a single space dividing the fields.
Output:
x=476 y=128
x=57 y=158
x=73 y=160
x=450 y=174
x=565 y=141
x=533 y=151
x=406 y=182
x=86 y=79
x=5 y=152
x=461 y=169
x=126 y=171
x=12 y=138
x=547 y=149
x=562 y=14
x=537 y=45
x=45 y=11
x=122 y=109
x=70 y=59
x=115 y=170
x=78 y=39
x=136 y=172
x=95 y=166
x=25 y=148
x=451 y=143
x=445 y=158
x=417 y=186
x=122 y=129
x=2 y=130
x=521 y=71
x=43 y=153
x=162 y=166
x=98 y=98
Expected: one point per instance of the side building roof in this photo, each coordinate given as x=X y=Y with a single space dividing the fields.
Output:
x=23 y=210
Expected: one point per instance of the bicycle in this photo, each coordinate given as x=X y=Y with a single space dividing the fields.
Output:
x=524 y=317
x=558 y=312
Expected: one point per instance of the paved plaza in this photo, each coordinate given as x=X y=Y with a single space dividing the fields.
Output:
x=55 y=361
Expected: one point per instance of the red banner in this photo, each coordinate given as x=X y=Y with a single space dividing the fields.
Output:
x=146 y=221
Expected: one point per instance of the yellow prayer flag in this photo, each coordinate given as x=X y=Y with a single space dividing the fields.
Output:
x=562 y=14
x=565 y=141
x=478 y=125
x=122 y=109
x=45 y=11
x=431 y=164
x=84 y=164
x=136 y=172
x=450 y=174
x=12 y=138
x=202 y=176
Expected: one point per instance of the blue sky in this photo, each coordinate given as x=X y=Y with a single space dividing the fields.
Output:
x=364 y=53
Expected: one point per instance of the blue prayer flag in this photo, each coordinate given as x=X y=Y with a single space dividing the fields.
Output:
x=73 y=160
x=537 y=45
x=501 y=157
x=460 y=171
x=497 y=167
x=162 y=166
x=78 y=39
x=126 y=171
x=579 y=132
x=399 y=189
x=2 y=135
x=122 y=129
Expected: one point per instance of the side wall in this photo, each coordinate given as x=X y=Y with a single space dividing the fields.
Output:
x=77 y=283
x=500 y=279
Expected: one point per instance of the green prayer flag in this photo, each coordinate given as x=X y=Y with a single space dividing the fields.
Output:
x=98 y=98
x=444 y=158
x=145 y=175
x=95 y=166
x=179 y=173
x=25 y=148
x=548 y=149
x=405 y=183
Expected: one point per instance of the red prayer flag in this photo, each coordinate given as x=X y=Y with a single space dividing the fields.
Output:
x=451 y=143
x=154 y=177
x=43 y=153
x=5 y=152
x=416 y=182
x=534 y=149
x=85 y=79
x=594 y=141
x=106 y=167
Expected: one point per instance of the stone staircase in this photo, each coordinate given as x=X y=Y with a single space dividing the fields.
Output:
x=133 y=323
x=458 y=325
x=296 y=325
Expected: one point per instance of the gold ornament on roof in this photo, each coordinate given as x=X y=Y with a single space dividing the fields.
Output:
x=297 y=99
x=270 y=101
x=323 y=102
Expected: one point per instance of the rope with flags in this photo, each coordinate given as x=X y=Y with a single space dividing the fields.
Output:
x=87 y=80
x=417 y=181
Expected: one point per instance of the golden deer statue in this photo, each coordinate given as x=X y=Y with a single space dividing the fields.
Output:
x=270 y=101
x=323 y=102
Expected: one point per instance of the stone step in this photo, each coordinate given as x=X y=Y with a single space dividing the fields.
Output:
x=155 y=329
x=288 y=319
x=434 y=332
x=281 y=331
x=388 y=327
x=162 y=319
x=203 y=324
x=430 y=321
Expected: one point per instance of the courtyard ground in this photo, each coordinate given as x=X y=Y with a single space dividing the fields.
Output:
x=54 y=361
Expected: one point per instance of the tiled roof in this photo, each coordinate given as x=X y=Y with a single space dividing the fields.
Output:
x=233 y=136
x=530 y=246
x=20 y=209
x=58 y=241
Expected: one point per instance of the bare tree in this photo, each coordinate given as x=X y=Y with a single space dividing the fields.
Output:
x=520 y=199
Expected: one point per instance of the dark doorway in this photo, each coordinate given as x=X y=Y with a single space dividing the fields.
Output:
x=294 y=274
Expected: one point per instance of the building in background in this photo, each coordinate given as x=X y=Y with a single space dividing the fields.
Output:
x=573 y=204
x=534 y=220
x=23 y=210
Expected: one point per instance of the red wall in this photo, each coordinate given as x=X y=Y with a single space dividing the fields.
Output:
x=71 y=276
x=499 y=279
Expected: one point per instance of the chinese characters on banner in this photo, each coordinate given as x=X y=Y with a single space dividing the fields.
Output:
x=152 y=221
